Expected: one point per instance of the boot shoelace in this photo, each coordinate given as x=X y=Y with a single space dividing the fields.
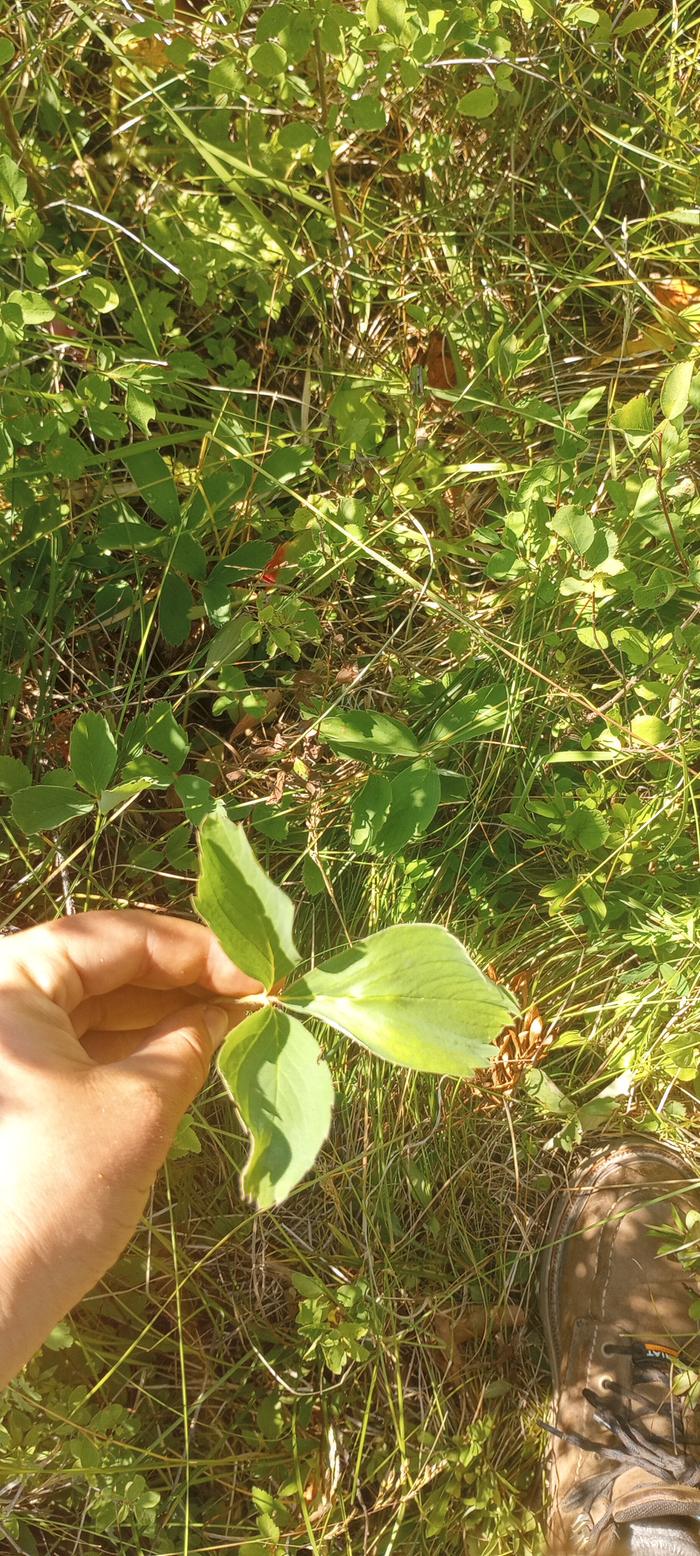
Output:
x=622 y=1415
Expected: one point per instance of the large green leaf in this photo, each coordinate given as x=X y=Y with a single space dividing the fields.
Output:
x=268 y=59
x=415 y=796
x=587 y=828
x=636 y=417
x=575 y=526
x=648 y=730
x=370 y=809
x=99 y=294
x=93 y=752
x=252 y=918
x=478 y=714
x=361 y=730
x=34 y=307
x=174 y=608
x=273 y=1069
x=411 y=994
x=48 y=804
x=386 y=13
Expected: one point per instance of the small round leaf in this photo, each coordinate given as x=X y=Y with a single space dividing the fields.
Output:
x=480 y=103
x=268 y=59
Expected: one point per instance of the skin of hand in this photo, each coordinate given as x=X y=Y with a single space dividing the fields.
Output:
x=108 y=1024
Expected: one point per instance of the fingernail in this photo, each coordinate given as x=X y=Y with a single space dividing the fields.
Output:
x=217 y=1022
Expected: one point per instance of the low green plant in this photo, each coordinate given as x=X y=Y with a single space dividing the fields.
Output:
x=410 y=994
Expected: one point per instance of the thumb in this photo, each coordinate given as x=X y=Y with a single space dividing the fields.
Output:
x=173 y=1058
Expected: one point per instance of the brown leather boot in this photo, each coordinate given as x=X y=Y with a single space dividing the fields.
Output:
x=625 y=1466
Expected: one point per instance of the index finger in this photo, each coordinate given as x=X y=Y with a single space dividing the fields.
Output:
x=74 y=959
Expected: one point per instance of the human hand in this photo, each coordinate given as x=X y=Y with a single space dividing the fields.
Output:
x=108 y=1023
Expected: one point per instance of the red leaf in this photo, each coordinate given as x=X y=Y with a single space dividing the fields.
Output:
x=269 y=577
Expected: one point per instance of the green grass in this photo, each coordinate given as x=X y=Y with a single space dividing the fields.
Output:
x=268 y=256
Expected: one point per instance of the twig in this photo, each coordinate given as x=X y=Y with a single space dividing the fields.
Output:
x=68 y=898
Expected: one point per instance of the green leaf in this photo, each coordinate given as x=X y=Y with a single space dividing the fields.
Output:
x=675 y=390
x=231 y=642
x=415 y=796
x=283 y=465
x=480 y=103
x=386 y=13
x=48 y=804
x=478 y=714
x=313 y=878
x=61 y=1337
x=370 y=809
x=163 y=734
x=99 y=294
x=252 y=918
x=34 y=307
x=153 y=480
x=643 y=18
x=140 y=407
x=648 y=730
x=632 y=643
x=297 y=37
x=189 y=557
x=13 y=184
x=574 y=526
x=272 y=1067
x=322 y=155
x=364 y=730
x=93 y=752
x=110 y=799
x=587 y=828
x=268 y=59
x=36 y=270
x=174 y=608
x=360 y=419
x=7 y=51
x=272 y=22
x=412 y=995
x=13 y=775
x=367 y=112
x=226 y=78
x=546 y=1095
x=196 y=796
x=186 y=1142
x=592 y=637
x=636 y=417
